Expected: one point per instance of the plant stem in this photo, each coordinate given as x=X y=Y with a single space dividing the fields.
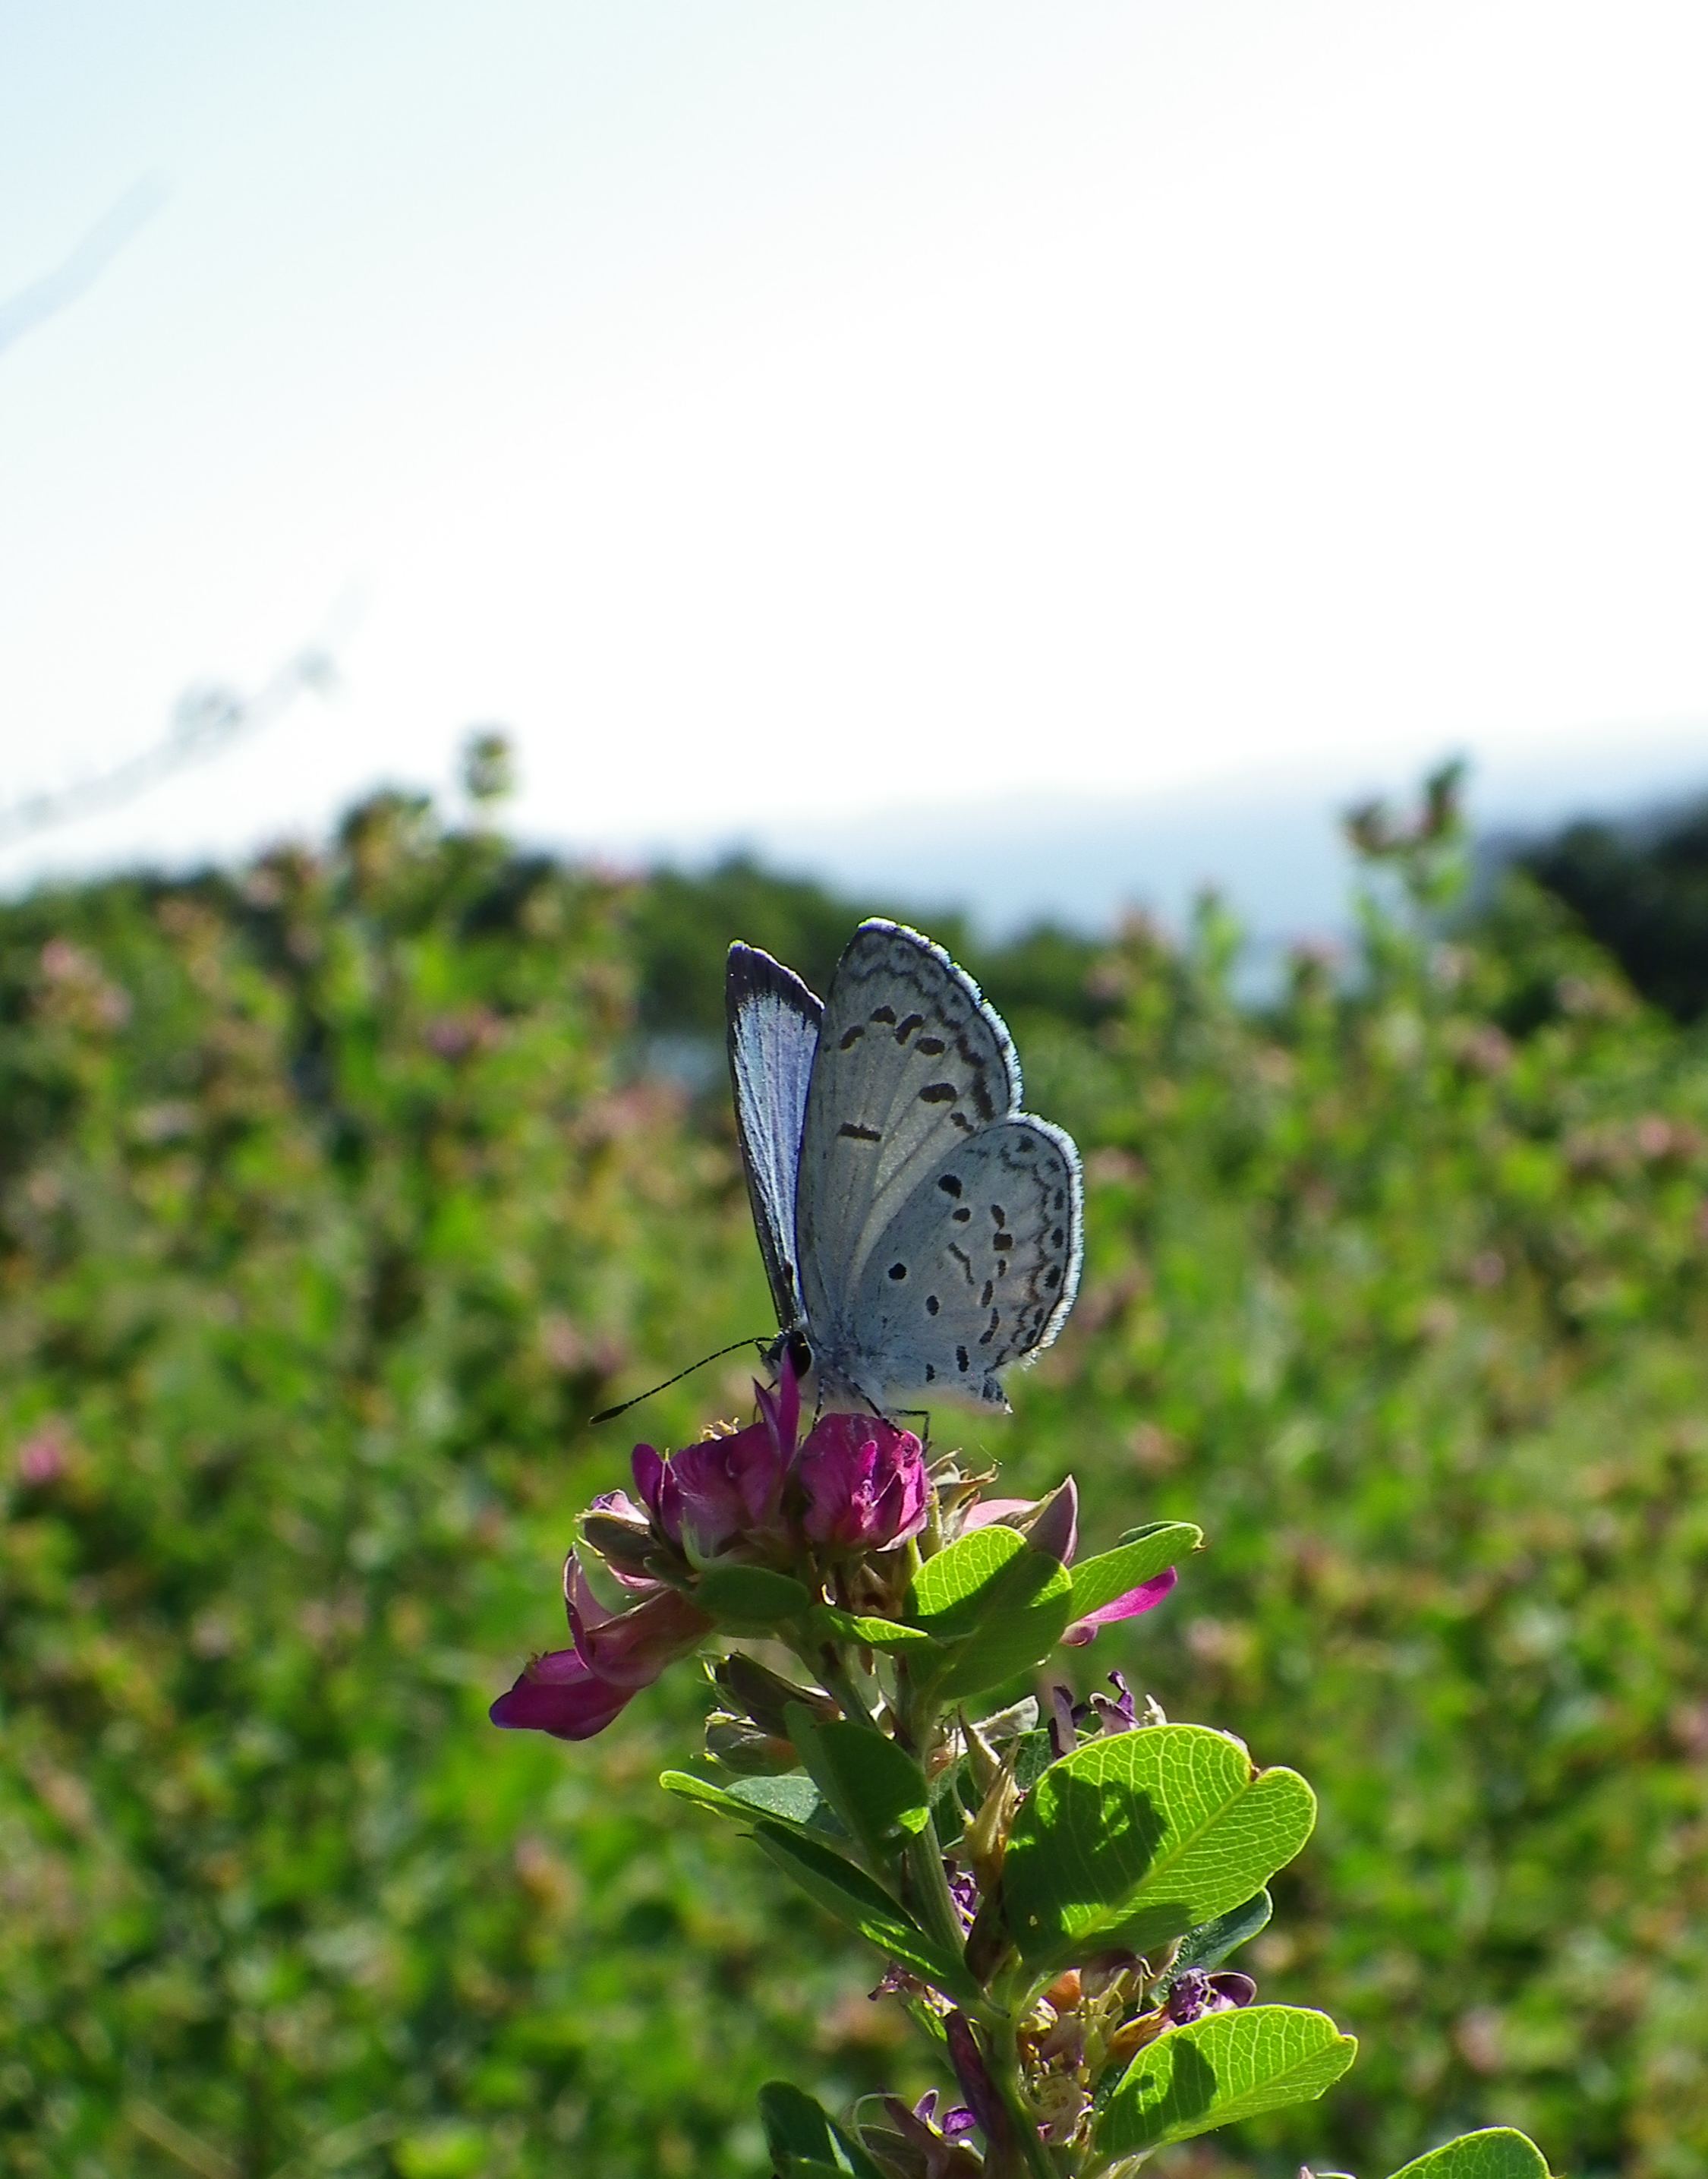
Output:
x=929 y=1885
x=1036 y=2158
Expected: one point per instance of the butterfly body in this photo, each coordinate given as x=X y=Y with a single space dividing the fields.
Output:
x=920 y=1233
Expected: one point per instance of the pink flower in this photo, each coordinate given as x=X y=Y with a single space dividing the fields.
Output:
x=728 y=1487
x=630 y=1648
x=41 y=1457
x=576 y=1692
x=863 y=1484
x=725 y=1489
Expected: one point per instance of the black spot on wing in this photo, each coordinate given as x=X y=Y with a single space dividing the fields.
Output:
x=856 y=1134
x=938 y=1093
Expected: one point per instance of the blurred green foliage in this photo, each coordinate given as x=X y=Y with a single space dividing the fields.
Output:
x=336 y=1192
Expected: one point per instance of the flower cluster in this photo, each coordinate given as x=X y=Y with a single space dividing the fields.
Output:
x=853 y=1488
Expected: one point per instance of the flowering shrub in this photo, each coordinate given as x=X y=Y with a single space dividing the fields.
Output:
x=1053 y=1886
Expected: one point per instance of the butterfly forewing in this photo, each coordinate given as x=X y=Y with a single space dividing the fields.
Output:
x=977 y=1270
x=773 y=1026
x=911 y=1062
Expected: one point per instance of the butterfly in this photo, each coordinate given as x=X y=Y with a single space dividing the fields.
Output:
x=919 y=1232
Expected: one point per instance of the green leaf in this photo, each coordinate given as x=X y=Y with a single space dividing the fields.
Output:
x=834 y=1625
x=1231 y=2066
x=1139 y=1557
x=750 y=1600
x=876 y=1787
x=1003 y=1605
x=863 y=1905
x=792 y=1799
x=1209 y=1944
x=803 y=2138
x=1497 y=2152
x=1136 y=1839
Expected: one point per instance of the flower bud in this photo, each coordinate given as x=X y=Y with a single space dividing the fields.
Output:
x=765 y=1695
x=740 y=1746
x=986 y=1836
x=976 y=2084
x=1055 y=1527
x=620 y=1533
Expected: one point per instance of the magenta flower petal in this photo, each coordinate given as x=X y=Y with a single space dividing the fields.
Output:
x=1193 y=1994
x=781 y=1409
x=559 y=1694
x=659 y=1490
x=1145 y=1598
x=632 y=1647
x=989 y=1511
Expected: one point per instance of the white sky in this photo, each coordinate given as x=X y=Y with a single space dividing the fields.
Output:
x=783 y=408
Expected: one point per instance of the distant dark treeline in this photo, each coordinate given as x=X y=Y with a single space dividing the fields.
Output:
x=683 y=922
x=1641 y=891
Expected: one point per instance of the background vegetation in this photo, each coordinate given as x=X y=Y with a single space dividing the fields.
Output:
x=334 y=1193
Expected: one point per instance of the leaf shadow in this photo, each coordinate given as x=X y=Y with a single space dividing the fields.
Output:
x=1189 y=2092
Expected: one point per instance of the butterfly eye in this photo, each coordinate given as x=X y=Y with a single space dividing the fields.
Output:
x=800 y=1354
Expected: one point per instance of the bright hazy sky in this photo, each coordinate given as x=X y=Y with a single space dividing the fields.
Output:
x=782 y=406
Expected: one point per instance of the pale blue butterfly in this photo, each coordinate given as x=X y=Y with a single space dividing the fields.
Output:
x=920 y=1233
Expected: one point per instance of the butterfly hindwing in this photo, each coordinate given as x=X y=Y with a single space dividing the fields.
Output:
x=773 y=1029
x=978 y=1267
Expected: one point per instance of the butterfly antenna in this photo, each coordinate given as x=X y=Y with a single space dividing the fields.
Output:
x=610 y=1414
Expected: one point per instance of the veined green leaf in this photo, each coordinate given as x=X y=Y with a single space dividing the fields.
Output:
x=1498 y=2152
x=830 y=1623
x=1001 y=1604
x=791 y=1799
x=875 y=1787
x=1231 y=2066
x=1138 y=1838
